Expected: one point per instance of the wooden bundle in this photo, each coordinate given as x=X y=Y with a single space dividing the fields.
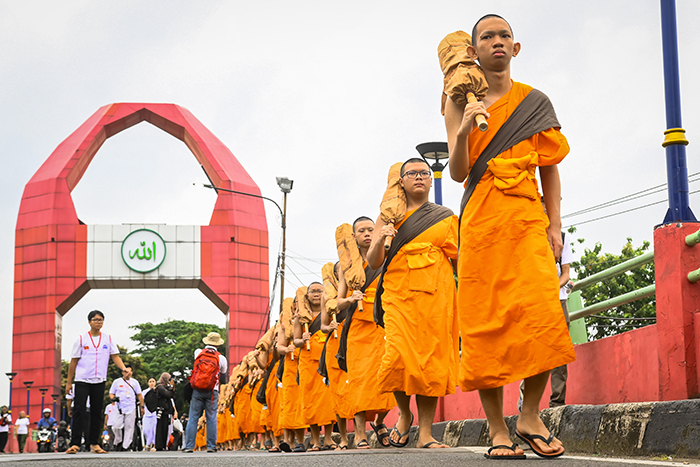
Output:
x=304 y=310
x=265 y=341
x=464 y=80
x=350 y=259
x=253 y=368
x=330 y=286
x=286 y=322
x=393 y=206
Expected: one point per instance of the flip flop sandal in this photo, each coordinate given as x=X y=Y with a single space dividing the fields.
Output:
x=274 y=449
x=315 y=448
x=342 y=447
x=381 y=436
x=73 y=450
x=329 y=447
x=98 y=450
x=530 y=440
x=299 y=448
x=284 y=447
x=362 y=444
x=399 y=444
x=427 y=445
x=507 y=457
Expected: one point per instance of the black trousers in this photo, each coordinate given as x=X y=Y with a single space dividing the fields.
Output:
x=3 y=441
x=96 y=393
x=162 y=432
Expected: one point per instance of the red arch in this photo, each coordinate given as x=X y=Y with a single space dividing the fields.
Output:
x=51 y=243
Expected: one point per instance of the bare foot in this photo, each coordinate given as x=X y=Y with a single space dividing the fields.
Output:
x=431 y=443
x=503 y=439
x=533 y=425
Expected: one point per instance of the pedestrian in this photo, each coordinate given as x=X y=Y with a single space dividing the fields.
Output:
x=88 y=367
x=110 y=416
x=22 y=430
x=149 y=418
x=5 y=424
x=166 y=393
x=206 y=399
x=126 y=391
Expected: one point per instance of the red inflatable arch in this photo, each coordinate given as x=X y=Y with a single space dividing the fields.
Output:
x=51 y=243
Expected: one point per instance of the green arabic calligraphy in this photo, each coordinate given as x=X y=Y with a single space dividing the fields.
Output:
x=147 y=252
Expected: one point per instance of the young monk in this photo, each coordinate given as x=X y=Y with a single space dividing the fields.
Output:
x=317 y=402
x=416 y=303
x=365 y=347
x=291 y=416
x=337 y=378
x=512 y=324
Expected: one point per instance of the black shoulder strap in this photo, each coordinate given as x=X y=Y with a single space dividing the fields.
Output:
x=533 y=114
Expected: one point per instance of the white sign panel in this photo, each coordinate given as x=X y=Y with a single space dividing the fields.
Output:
x=143 y=250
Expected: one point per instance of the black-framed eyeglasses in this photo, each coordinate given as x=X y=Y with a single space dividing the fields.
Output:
x=412 y=174
x=97 y=320
x=315 y=291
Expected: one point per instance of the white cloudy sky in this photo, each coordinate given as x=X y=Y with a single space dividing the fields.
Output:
x=328 y=94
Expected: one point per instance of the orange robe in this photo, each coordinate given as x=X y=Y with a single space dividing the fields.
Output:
x=273 y=396
x=291 y=416
x=511 y=320
x=365 y=350
x=337 y=378
x=236 y=427
x=245 y=423
x=316 y=397
x=255 y=410
x=201 y=439
x=420 y=315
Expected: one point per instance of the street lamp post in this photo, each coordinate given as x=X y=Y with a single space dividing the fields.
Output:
x=54 y=397
x=285 y=185
x=43 y=394
x=435 y=152
x=29 y=385
x=10 y=376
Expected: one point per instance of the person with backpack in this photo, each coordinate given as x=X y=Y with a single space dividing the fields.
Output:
x=208 y=367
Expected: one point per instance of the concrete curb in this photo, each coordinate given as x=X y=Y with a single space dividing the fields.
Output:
x=635 y=429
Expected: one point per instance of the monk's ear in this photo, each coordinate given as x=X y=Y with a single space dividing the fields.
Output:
x=471 y=51
x=516 y=49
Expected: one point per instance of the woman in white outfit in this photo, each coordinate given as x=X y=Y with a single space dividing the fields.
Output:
x=149 y=419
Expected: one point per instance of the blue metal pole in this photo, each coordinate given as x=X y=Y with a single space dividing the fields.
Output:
x=28 y=401
x=675 y=141
x=438 y=187
x=9 y=402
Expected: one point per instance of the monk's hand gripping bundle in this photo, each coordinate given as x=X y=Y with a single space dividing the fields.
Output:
x=464 y=80
x=392 y=210
x=286 y=321
x=305 y=315
x=350 y=259
x=330 y=287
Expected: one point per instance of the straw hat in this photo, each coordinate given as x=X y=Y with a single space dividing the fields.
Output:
x=213 y=338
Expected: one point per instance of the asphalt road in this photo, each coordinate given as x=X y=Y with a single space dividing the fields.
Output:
x=470 y=456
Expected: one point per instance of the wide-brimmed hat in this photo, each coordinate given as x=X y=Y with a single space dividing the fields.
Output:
x=213 y=338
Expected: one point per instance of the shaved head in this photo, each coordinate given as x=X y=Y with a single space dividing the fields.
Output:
x=474 y=32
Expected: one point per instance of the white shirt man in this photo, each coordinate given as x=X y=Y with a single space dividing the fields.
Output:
x=128 y=391
x=110 y=412
x=88 y=369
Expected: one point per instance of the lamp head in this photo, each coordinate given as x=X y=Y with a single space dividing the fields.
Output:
x=285 y=184
x=11 y=375
x=28 y=384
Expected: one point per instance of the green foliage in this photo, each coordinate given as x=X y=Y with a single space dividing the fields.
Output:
x=169 y=347
x=594 y=261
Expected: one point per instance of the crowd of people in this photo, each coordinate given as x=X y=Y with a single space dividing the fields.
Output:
x=389 y=323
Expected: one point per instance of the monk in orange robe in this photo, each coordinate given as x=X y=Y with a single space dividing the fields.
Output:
x=317 y=401
x=364 y=347
x=512 y=325
x=416 y=303
x=291 y=416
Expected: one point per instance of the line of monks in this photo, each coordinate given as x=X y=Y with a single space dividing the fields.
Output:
x=361 y=344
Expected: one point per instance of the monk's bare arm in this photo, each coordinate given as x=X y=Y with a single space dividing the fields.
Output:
x=283 y=347
x=345 y=302
x=376 y=252
x=459 y=122
x=298 y=332
x=261 y=358
x=551 y=189
x=326 y=325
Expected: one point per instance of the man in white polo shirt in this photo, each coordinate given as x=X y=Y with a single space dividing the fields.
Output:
x=127 y=391
x=88 y=368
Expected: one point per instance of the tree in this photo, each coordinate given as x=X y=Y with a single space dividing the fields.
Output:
x=169 y=347
x=592 y=262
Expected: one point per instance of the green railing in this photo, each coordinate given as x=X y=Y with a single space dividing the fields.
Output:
x=577 y=311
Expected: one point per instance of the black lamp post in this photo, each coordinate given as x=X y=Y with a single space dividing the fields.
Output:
x=29 y=385
x=54 y=397
x=285 y=185
x=435 y=153
x=10 y=376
